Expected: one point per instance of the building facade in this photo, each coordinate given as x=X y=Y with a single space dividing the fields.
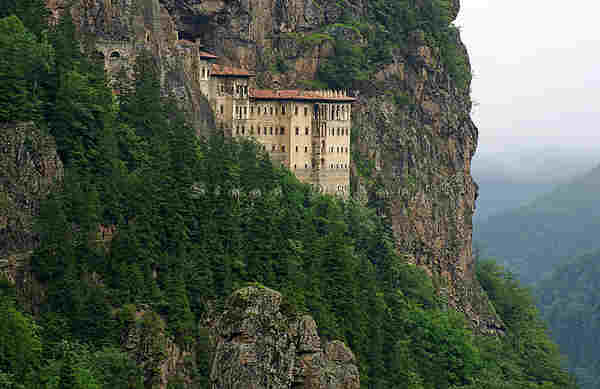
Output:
x=306 y=131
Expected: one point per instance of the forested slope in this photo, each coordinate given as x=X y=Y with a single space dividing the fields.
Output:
x=534 y=238
x=569 y=301
x=153 y=227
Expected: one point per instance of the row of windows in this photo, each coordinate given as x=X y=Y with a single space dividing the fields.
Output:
x=281 y=131
x=270 y=131
x=306 y=165
x=338 y=131
x=338 y=149
x=305 y=149
x=275 y=148
x=241 y=112
x=338 y=166
x=331 y=166
x=241 y=90
x=306 y=131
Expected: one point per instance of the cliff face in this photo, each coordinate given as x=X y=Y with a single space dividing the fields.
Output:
x=412 y=124
x=413 y=138
x=29 y=170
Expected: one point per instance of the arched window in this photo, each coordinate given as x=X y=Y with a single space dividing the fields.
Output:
x=282 y=131
x=297 y=131
x=282 y=148
x=306 y=131
x=115 y=55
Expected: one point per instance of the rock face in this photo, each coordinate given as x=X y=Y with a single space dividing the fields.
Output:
x=260 y=345
x=412 y=121
x=413 y=135
x=29 y=170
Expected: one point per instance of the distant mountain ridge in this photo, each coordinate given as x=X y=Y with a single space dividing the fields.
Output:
x=533 y=238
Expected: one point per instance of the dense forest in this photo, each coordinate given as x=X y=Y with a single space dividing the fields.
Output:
x=569 y=302
x=191 y=220
x=532 y=239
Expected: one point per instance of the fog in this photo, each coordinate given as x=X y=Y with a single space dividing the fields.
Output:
x=537 y=79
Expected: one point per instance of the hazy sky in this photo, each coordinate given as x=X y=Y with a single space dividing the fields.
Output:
x=537 y=72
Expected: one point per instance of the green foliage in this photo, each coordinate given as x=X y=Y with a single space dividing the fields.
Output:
x=569 y=302
x=23 y=63
x=20 y=347
x=527 y=355
x=194 y=219
x=33 y=13
x=362 y=46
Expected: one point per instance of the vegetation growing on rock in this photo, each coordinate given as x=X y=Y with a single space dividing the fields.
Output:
x=154 y=228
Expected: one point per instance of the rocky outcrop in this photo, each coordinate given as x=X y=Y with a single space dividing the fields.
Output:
x=260 y=344
x=29 y=169
x=144 y=337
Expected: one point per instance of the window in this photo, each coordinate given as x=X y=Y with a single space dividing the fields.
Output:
x=306 y=149
x=270 y=130
x=245 y=111
x=271 y=111
x=243 y=130
x=251 y=130
x=252 y=110
x=115 y=55
x=221 y=110
x=297 y=131
x=237 y=130
x=338 y=132
x=296 y=148
x=306 y=131
x=272 y=147
x=282 y=148
x=282 y=131
x=296 y=110
x=283 y=109
x=265 y=111
x=306 y=166
x=265 y=130
x=305 y=111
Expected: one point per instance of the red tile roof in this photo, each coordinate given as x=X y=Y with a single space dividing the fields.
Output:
x=296 y=94
x=204 y=54
x=222 y=70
